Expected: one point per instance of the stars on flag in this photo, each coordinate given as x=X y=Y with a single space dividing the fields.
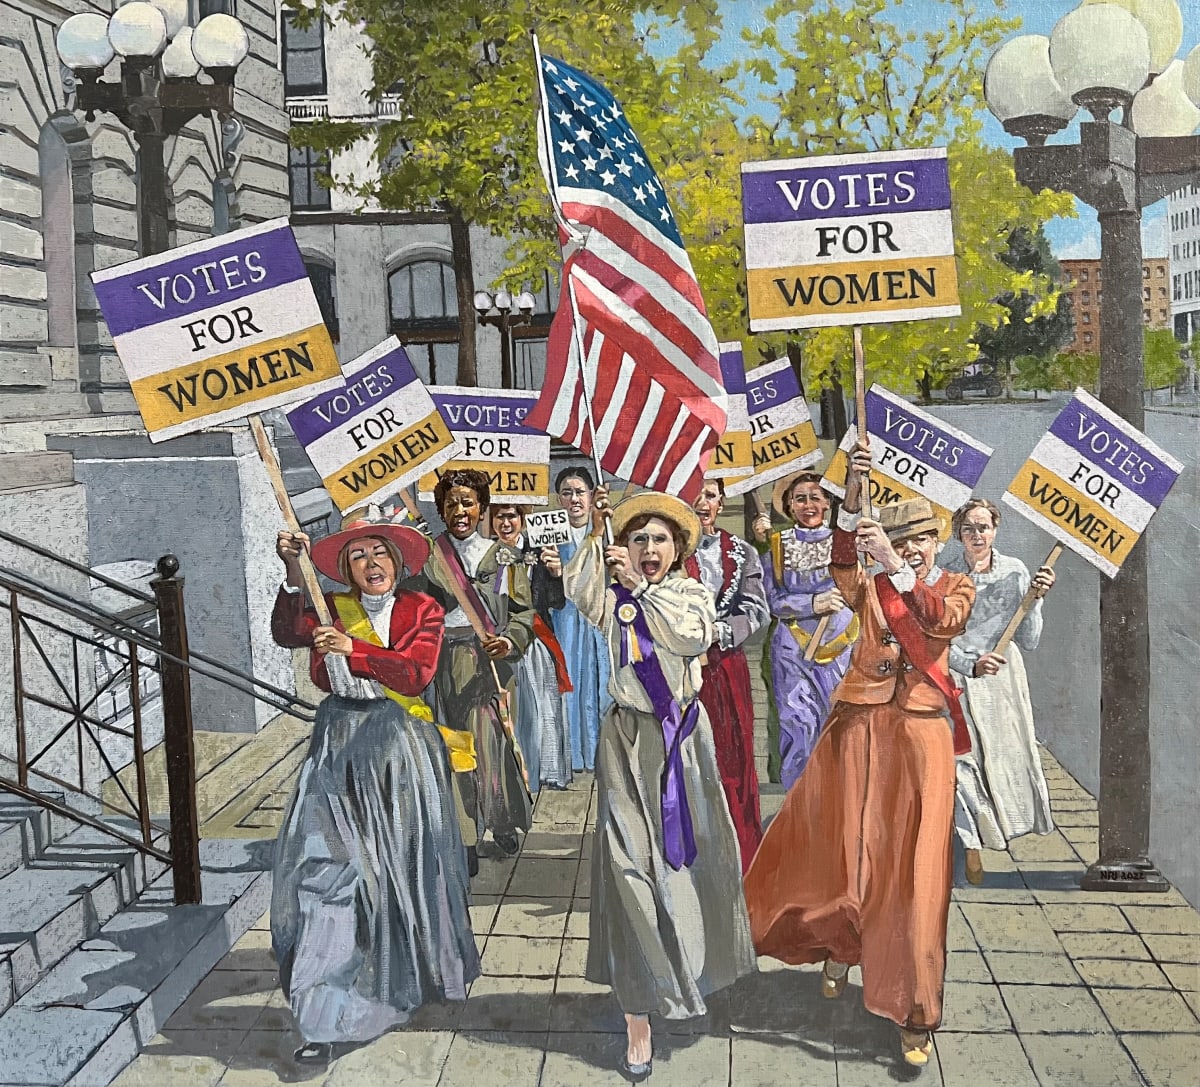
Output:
x=595 y=147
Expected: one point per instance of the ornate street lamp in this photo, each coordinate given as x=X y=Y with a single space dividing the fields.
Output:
x=158 y=90
x=1106 y=57
x=505 y=312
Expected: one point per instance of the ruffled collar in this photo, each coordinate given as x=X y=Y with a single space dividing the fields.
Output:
x=812 y=535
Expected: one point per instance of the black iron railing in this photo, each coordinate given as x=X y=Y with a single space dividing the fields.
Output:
x=56 y=640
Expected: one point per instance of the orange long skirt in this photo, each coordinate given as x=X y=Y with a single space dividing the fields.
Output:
x=857 y=866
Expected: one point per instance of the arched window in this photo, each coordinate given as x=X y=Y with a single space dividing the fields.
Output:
x=423 y=305
x=58 y=232
x=324 y=284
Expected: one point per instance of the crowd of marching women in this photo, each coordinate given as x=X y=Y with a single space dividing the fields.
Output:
x=467 y=670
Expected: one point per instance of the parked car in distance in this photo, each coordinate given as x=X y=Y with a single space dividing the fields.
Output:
x=984 y=381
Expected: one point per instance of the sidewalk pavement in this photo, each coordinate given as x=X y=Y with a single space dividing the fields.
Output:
x=1046 y=985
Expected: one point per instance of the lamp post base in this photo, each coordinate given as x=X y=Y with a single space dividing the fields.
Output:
x=1130 y=877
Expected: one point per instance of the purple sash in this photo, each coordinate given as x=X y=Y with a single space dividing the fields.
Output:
x=679 y=839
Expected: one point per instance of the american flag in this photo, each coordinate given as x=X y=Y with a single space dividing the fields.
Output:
x=650 y=356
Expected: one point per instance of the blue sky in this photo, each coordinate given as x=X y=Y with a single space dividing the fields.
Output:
x=1069 y=237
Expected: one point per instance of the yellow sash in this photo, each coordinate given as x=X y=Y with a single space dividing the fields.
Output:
x=828 y=650
x=358 y=625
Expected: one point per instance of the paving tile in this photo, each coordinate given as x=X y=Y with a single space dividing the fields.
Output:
x=264 y=922
x=412 y=1058
x=1086 y=918
x=1010 y=928
x=1088 y=817
x=959 y=936
x=1193 y=1002
x=225 y=999
x=780 y=1062
x=1168 y=920
x=521 y=956
x=583 y=881
x=1054 y=1009
x=1096 y=1060
x=483 y=909
x=219 y=1045
x=150 y=1070
x=999 y=888
x=691 y=1061
x=966 y=966
x=512 y=1058
x=1184 y=976
x=1104 y=945
x=581 y=1006
x=1153 y=1010
x=573 y=961
x=500 y=1003
x=556 y=844
x=573 y=1059
x=967 y=1006
x=531 y=917
x=1173 y=948
x=997 y=860
x=1041 y=847
x=1114 y=974
x=983 y=1060
x=538 y=877
x=1166 y=1060
x=577 y=922
x=1032 y=968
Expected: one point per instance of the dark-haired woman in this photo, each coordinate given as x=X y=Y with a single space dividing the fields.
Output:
x=582 y=644
x=668 y=923
x=470 y=665
x=369 y=915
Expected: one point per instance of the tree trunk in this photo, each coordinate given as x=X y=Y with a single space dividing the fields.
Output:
x=925 y=384
x=464 y=283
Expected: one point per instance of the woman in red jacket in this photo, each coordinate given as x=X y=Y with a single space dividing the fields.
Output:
x=369 y=914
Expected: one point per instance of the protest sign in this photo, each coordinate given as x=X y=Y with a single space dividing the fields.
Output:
x=784 y=439
x=849 y=239
x=1093 y=482
x=547 y=529
x=912 y=454
x=733 y=455
x=217 y=330
x=376 y=435
x=490 y=427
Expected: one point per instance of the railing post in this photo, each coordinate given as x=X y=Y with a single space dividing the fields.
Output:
x=177 y=733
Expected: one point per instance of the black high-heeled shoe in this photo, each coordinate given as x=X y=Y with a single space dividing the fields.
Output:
x=636 y=1073
x=313 y=1053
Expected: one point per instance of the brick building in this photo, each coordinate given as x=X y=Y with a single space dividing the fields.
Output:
x=1083 y=283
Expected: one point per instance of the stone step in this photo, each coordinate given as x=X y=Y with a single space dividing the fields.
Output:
x=90 y=1015
x=60 y=894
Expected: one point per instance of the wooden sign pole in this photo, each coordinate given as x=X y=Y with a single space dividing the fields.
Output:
x=860 y=408
x=1023 y=608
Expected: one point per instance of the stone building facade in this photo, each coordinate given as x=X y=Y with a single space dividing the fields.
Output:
x=77 y=473
x=1183 y=223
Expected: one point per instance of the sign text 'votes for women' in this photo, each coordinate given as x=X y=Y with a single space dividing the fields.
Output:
x=217 y=330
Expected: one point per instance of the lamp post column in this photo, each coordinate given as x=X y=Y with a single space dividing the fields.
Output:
x=154 y=216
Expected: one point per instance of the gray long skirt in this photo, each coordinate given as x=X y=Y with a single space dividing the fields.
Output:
x=369 y=914
x=663 y=939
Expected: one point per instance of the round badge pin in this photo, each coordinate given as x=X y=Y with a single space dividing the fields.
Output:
x=627 y=612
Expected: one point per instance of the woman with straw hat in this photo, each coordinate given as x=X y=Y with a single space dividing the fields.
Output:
x=369 y=916
x=800 y=592
x=668 y=923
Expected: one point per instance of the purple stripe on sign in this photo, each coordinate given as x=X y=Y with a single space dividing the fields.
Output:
x=363 y=392
x=765 y=392
x=799 y=193
x=1114 y=452
x=492 y=415
x=733 y=371
x=926 y=441
x=223 y=275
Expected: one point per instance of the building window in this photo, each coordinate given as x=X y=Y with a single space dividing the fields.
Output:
x=1085 y=297
x=529 y=341
x=324 y=285
x=1087 y=318
x=1162 y=271
x=1087 y=337
x=1083 y=274
x=303 y=57
x=306 y=167
x=1146 y=316
x=423 y=304
x=1145 y=294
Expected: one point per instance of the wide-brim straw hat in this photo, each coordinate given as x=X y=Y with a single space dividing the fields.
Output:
x=782 y=486
x=665 y=506
x=370 y=521
x=900 y=520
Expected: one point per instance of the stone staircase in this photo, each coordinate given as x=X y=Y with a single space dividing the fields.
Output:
x=94 y=955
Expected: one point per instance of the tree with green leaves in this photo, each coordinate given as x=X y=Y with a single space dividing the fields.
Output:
x=1078 y=369
x=1164 y=358
x=855 y=78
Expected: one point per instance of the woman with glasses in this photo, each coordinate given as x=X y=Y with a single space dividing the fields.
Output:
x=1000 y=789
x=583 y=645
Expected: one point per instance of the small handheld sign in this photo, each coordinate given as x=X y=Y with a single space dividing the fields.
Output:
x=1093 y=482
x=376 y=435
x=547 y=529
x=784 y=439
x=490 y=427
x=733 y=455
x=849 y=239
x=912 y=453
x=217 y=330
